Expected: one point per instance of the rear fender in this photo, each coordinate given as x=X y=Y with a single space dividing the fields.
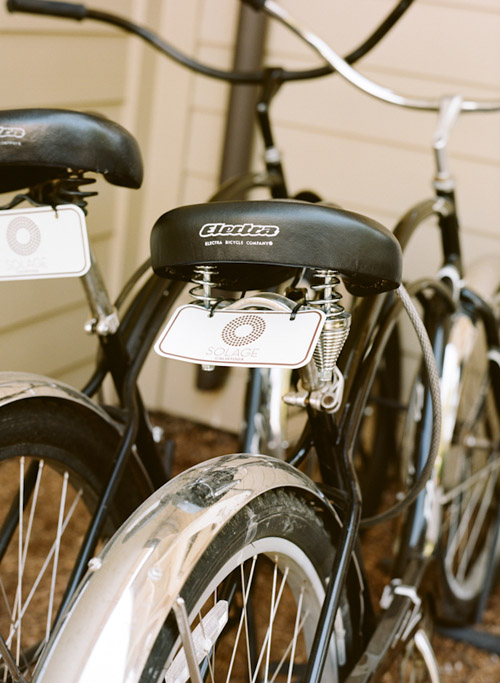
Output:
x=20 y=386
x=124 y=601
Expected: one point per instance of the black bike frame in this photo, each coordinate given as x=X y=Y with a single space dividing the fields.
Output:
x=124 y=354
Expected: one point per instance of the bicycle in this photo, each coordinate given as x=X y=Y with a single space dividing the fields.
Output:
x=59 y=426
x=219 y=514
x=176 y=581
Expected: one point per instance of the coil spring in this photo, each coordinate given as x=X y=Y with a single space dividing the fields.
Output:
x=64 y=191
x=69 y=191
x=331 y=298
x=330 y=345
x=204 y=282
x=337 y=323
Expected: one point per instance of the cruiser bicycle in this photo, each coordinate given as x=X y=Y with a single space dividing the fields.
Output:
x=86 y=465
x=244 y=568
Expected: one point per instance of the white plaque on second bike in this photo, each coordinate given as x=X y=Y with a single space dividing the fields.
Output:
x=43 y=242
x=241 y=338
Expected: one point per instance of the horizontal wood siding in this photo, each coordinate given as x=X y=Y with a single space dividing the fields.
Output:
x=367 y=156
x=62 y=64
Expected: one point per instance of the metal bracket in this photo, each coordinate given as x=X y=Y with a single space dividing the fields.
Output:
x=187 y=640
x=413 y=618
x=450 y=273
x=494 y=355
x=104 y=326
x=449 y=111
x=442 y=206
x=327 y=398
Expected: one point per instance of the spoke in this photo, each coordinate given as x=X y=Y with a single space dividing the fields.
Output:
x=271 y=621
x=489 y=468
x=270 y=627
x=466 y=514
x=46 y=563
x=213 y=649
x=32 y=511
x=60 y=520
x=297 y=629
x=6 y=599
x=478 y=405
x=244 y=594
x=25 y=543
x=476 y=529
x=204 y=635
x=18 y=605
x=291 y=644
x=23 y=539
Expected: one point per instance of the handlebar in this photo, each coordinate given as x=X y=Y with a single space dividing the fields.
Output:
x=355 y=77
x=68 y=10
x=78 y=11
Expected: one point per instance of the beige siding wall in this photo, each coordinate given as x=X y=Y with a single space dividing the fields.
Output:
x=376 y=158
x=184 y=155
x=365 y=155
x=53 y=63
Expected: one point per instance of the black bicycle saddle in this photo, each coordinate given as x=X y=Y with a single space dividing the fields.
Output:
x=43 y=144
x=259 y=244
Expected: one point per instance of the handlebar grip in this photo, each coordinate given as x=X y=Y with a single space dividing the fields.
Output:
x=68 y=10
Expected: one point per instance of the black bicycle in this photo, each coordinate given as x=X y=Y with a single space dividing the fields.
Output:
x=87 y=465
x=243 y=568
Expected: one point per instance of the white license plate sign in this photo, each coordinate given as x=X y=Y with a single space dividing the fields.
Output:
x=43 y=242
x=241 y=338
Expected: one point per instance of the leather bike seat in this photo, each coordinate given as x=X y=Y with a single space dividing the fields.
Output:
x=43 y=144
x=259 y=244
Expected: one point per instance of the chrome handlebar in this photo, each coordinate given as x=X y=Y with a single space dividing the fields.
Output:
x=362 y=82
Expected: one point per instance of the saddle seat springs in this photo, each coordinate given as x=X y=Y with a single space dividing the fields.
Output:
x=337 y=323
x=322 y=388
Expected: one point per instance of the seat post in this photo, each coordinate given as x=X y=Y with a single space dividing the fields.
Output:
x=105 y=319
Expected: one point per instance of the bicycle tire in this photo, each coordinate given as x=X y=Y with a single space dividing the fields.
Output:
x=50 y=441
x=469 y=512
x=276 y=534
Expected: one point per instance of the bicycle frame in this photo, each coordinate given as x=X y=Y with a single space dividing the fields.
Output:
x=124 y=352
x=124 y=346
x=334 y=437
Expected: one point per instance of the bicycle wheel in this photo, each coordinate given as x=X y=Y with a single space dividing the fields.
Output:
x=54 y=460
x=470 y=473
x=253 y=599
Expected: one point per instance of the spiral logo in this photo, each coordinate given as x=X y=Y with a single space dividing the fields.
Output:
x=23 y=236
x=245 y=330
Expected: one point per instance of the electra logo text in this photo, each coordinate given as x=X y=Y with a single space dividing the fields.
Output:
x=244 y=230
x=10 y=132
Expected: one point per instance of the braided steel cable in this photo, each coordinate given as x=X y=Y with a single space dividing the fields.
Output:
x=435 y=394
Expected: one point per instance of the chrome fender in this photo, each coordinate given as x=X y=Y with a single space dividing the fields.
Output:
x=19 y=386
x=130 y=589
